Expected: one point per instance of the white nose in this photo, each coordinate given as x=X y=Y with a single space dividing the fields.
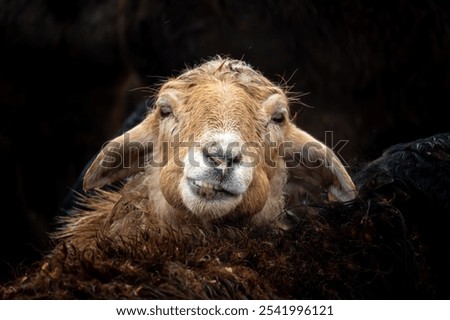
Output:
x=215 y=178
x=222 y=158
x=222 y=152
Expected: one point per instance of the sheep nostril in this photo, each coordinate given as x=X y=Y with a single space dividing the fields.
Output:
x=234 y=160
x=221 y=160
x=226 y=161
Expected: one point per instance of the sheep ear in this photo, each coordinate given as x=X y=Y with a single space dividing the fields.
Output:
x=313 y=166
x=121 y=157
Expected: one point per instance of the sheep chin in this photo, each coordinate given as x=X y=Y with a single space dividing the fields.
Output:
x=207 y=199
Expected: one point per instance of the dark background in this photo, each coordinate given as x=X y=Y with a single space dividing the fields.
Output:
x=377 y=73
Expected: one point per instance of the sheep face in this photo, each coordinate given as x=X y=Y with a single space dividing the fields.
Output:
x=219 y=142
x=217 y=128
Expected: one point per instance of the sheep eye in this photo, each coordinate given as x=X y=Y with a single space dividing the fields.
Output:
x=165 y=110
x=278 y=117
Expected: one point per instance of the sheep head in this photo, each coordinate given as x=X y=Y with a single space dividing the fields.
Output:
x=219 y=141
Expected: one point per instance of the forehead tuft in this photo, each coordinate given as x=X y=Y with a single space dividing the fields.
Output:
x=226 y=70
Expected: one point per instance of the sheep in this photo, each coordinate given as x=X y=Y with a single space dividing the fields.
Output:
x=376 y=246
x=217 y=147
x=367 y=248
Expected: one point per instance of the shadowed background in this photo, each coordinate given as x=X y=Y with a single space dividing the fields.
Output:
x=377 y=73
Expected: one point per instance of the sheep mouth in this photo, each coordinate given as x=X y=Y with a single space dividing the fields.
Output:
x=208 y=190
